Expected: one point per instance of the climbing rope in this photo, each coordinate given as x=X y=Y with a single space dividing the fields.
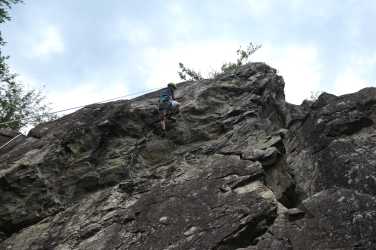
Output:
x=77 y=107
x=6 y=144
x=73 y=108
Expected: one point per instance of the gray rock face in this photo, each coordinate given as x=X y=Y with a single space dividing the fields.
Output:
x=238 y=169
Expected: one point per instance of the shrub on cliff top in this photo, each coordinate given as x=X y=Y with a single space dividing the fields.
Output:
x=186 y=73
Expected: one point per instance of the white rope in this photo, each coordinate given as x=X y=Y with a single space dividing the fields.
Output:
x=77 y=107
x=6 y=144
x=59 y=111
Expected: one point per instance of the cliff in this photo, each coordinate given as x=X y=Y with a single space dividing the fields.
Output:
x=239 y=168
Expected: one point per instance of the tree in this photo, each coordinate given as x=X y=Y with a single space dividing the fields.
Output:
x=18 y=107
x=5 y=5
x=186 y=73
x=243 y=56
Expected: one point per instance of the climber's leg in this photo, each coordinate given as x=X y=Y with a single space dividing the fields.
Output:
x=163 y=120
x=163 y=109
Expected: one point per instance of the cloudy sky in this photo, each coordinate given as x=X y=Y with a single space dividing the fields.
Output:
x=85 y=51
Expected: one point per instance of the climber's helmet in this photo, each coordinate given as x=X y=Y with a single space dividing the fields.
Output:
x=172 y=85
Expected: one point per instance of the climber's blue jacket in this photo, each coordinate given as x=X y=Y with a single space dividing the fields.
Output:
x=166 y=95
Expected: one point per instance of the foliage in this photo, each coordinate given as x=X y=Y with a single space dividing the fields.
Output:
x=186 y=73
x=314 y=95
x=243 y=56
x=18 y=107
x=4 y=16
x=214 y=74
x=4 y=7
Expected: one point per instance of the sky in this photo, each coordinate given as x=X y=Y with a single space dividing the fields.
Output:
x=86 y=51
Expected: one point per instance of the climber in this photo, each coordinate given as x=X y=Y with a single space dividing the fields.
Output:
x=167 y=103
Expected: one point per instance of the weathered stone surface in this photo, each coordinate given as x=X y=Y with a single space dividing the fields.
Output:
x=6 y=135
x=238 y=169
x=334 y=219
x=335 y=146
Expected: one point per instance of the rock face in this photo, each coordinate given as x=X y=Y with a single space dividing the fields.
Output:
x=238 y=169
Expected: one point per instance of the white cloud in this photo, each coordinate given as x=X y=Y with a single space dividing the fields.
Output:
x=161 y=65
x=183 y=23
x=356 y=76
x=175 y=8
x=49 y=43
x=29 y=82
x=298 y=65
x=349 y=81
x=259 y=8
x=84 y=94
x=135 y=33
